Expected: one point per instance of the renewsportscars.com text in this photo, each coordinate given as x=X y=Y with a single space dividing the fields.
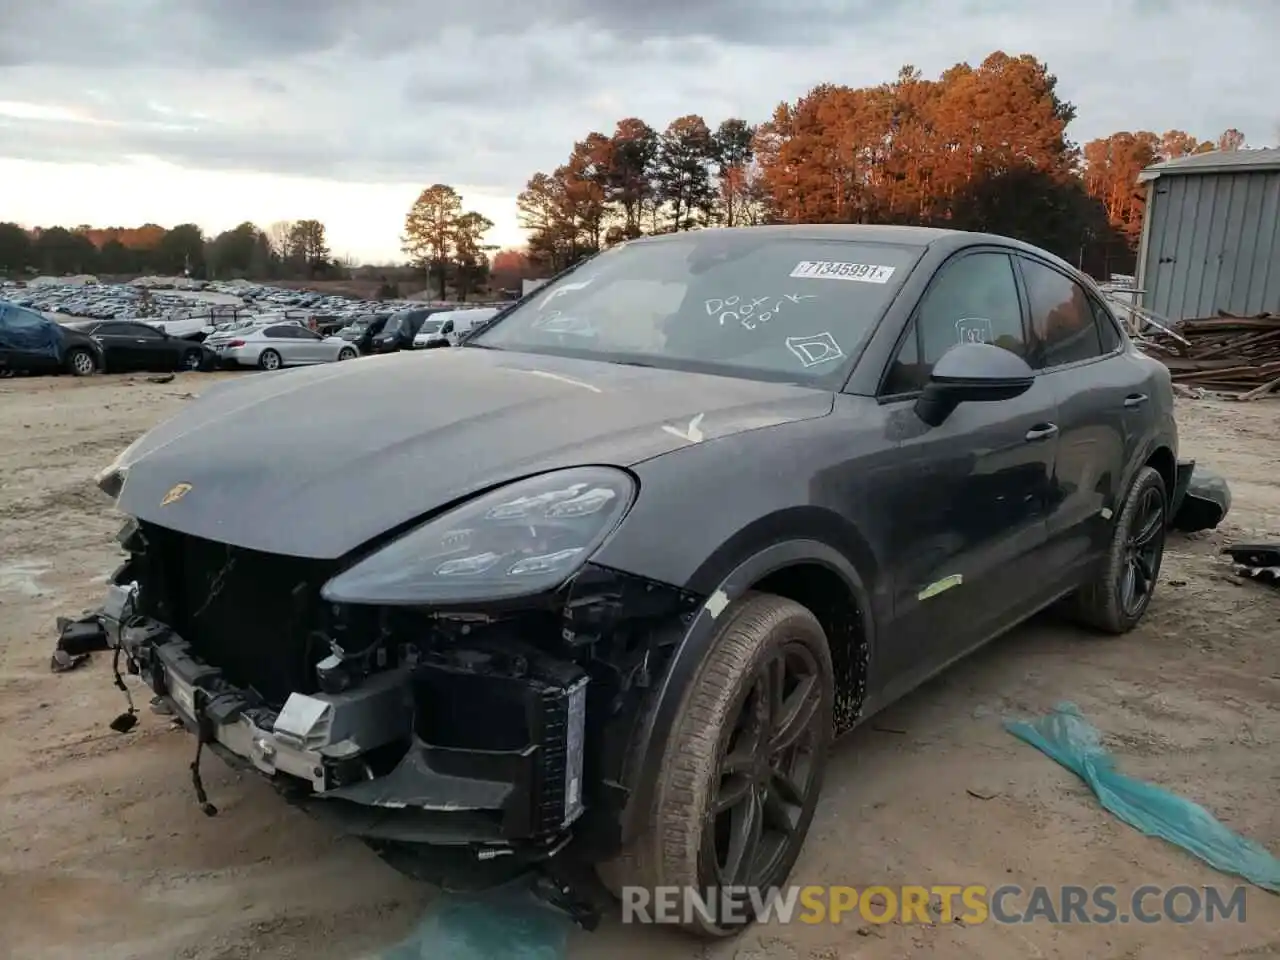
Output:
x=937 y=903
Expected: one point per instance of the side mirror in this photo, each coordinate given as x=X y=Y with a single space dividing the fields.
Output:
x=972 y=373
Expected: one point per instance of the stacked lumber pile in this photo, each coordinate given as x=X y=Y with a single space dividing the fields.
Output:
x=1239 y=355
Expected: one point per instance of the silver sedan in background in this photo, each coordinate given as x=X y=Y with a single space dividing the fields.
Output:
x=279 y=345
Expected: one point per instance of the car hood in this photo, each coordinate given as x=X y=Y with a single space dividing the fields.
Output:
x=317 y=461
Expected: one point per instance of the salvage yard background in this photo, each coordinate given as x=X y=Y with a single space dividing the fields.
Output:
x=104 y=852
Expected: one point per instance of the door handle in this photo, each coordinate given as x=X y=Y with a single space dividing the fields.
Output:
x=1135 y=400
x=1042 y=432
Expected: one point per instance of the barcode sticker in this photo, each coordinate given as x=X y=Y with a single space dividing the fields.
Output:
x=835 y=270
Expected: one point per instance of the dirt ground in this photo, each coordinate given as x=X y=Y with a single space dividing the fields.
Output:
x=104 y=853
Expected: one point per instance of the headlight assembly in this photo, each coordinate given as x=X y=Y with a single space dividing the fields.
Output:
x=519 y=540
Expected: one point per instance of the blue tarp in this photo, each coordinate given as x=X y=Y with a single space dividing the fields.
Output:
x=1067 y=737
x=508 y=923
x=25 y=331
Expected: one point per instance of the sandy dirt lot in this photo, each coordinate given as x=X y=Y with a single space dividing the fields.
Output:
x=104 y=853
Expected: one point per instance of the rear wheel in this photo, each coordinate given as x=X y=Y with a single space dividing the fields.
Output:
x=192 y=360
x=346 y=353
x=1120 y=592
x=80 y=362
x=269 y=360
x=742 y=769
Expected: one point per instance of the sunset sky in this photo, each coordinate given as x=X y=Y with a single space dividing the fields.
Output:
x=118 y=113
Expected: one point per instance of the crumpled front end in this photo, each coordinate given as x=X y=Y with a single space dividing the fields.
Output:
x=491 y=732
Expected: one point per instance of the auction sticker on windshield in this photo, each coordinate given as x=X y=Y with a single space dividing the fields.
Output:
x=835 y=270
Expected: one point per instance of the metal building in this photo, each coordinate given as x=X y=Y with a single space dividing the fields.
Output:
x=1211 y=235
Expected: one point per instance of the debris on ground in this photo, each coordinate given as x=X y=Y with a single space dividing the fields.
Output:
x=1205 y=503
x=77 y=640
x=1226 y=353
x=1067 y=737
x=1260 y=561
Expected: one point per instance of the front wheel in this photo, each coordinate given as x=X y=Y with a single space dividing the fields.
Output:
x=741 y=771
x=81 y=363
x=269 y=360
x=1121 y=590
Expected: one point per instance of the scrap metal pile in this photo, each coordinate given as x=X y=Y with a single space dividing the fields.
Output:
x=1238 y=355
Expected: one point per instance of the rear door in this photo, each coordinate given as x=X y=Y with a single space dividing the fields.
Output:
x=967 y=500
x=1102 y=397
x=117 y=345
x=280 y=339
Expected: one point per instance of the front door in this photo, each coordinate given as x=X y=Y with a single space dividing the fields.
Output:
x=968 y=499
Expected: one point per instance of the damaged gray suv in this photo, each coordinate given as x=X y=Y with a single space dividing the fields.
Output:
x=597 y=587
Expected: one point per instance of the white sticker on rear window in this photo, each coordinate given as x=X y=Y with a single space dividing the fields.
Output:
x=835 y=270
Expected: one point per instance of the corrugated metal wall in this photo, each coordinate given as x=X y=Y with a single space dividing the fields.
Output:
x=1213 y=244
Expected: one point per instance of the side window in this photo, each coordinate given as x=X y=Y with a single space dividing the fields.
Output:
x=971 y=300
x=1062 y=320
x=448 y=327
x=141 y=331
x=17 y=318
x=1107 y=331
x=278 y=333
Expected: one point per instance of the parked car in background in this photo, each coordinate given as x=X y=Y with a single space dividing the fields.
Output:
x=32 y=343
x=281 y=345
x=130 y=345
x=361 y=332
x=443 y=330
x=609 y=602
x=402 y=327
x=231 y=331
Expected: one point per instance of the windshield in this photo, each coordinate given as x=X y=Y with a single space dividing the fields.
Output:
x=747 y=303
x=431 y=326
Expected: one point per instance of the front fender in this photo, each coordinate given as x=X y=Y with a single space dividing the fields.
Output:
x=668 y=698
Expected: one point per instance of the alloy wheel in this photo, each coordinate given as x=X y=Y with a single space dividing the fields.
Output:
x=1143 y=550
x=768 y=771
x=82 y=363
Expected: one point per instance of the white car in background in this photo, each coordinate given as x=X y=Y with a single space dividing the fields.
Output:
x=444 y=329
x=287 y=344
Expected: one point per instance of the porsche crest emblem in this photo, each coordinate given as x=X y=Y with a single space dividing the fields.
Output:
x=176 y=493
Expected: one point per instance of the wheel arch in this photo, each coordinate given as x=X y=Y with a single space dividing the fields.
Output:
x=1166 y=464
x=811 y=572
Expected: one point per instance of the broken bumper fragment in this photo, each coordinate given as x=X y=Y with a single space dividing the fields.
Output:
x=467 y=748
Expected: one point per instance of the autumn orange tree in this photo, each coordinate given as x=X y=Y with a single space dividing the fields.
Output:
x=978 y=148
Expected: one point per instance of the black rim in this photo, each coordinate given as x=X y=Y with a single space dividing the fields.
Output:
x=768 y=771
x=1142 y=552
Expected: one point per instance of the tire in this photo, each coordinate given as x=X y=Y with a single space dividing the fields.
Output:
x=192 y=360
x=683 y=842
x=80 y=362
x=269 y=360
x=346 y=353
x=1136 y=550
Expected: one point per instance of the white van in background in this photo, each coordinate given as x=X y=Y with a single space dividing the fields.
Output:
x=444 y=329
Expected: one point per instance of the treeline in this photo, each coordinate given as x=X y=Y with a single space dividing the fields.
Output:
x=292 y=249
x=980 y=148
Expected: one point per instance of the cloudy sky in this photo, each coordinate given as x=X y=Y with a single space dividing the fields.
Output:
x=216 y=111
